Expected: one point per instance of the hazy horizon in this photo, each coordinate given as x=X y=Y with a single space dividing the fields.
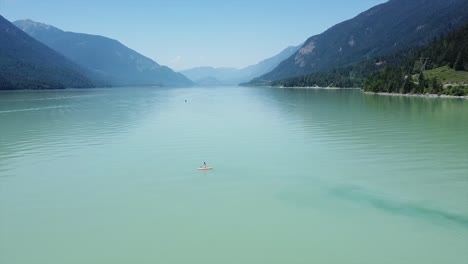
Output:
x=184 y=34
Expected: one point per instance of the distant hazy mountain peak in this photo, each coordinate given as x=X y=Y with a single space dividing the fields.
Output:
x=109 y=61
x=228 y=76
x=25 y=63
x=28 y=24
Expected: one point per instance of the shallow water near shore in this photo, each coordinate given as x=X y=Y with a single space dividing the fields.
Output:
x=300 y=176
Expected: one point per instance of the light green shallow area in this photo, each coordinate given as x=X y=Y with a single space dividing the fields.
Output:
x=300 y=176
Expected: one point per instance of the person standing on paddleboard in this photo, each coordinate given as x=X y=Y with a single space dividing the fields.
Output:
x=204 y=164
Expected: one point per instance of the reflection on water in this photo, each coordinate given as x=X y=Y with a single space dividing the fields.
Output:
x=299 y=175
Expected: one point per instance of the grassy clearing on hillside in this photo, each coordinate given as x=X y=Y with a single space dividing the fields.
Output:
x=447 y=75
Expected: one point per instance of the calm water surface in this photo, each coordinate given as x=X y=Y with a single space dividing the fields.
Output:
x=301 y=176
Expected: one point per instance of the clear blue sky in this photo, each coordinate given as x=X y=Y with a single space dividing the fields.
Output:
x=189 y=33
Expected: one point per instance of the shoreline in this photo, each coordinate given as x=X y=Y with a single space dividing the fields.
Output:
x=418 y=95
x=442 y=96
x=315 y=87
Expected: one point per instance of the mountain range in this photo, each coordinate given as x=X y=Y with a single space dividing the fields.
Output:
x=108 y=62
x=25 y=63
x=48 y=57
x=234 y=76
x=381 y=30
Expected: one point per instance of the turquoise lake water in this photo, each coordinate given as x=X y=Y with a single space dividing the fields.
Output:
x=300 y=176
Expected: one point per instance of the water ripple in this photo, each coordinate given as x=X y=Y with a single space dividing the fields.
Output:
x=34 y=109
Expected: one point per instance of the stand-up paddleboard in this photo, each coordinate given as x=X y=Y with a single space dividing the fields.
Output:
x=205 y=168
